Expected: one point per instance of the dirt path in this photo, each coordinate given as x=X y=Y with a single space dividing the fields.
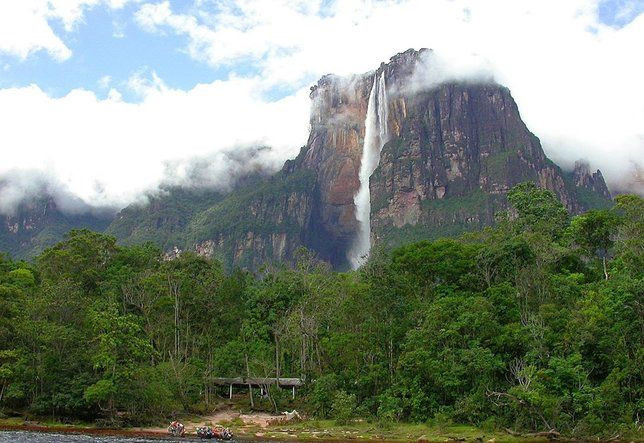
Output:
x=261 y=419
x=251 y=420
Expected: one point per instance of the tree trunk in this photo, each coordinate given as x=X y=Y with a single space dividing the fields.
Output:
x=250 y=387
x=605 y=269
x=277 y=360
x=174 y=290
x=391 y=356
x=303 y=357
x=270 y=397
x=176 y=325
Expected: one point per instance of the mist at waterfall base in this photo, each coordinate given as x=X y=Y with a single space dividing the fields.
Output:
x=375 y=137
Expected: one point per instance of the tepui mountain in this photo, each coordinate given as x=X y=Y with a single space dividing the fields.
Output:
x=387 y=160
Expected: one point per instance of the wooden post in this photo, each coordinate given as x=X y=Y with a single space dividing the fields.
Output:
x=230 y=394
x=293 y=392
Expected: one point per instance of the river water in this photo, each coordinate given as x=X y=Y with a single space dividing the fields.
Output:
x=44 y=437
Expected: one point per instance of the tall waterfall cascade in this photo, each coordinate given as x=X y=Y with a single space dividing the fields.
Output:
x=375 y=137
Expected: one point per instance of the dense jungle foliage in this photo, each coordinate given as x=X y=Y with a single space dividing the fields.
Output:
x=535 y=324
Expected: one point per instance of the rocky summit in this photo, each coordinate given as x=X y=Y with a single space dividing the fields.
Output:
x=446 y=153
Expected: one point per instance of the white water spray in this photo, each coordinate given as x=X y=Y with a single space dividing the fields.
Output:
x=375 y=136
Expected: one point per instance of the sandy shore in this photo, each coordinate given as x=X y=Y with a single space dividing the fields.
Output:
x=251 y=421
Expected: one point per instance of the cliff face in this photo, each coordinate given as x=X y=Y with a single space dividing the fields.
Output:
x=333 y=152
x=259 y=224
x=590 y=181
x=453 y=150
x=264 y=219
x=38 y=223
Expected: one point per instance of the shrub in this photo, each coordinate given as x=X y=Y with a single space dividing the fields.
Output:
x=322 y=395
x=343 y=407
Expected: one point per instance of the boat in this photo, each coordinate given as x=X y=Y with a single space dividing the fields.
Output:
x=177 y=429
x=218 y=432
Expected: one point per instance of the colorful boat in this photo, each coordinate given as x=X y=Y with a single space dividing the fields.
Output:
x=177 y=429
x=218 y=432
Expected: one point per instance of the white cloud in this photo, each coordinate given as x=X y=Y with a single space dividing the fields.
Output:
x=104 y=81
x=20 y=185
x=111 y=151
x=143 y=85
x=25 y=24
x=577 y=81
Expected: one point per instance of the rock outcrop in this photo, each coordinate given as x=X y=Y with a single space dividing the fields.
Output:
x=590 y=181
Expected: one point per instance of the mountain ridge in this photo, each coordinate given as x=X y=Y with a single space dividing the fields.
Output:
x=456 y=148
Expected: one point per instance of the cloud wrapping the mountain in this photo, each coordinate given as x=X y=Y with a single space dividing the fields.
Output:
x=111 y=151
x=577 y=83
x=18 y=186
x=220 y=170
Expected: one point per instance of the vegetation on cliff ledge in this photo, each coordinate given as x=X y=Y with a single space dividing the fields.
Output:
x=533 y=325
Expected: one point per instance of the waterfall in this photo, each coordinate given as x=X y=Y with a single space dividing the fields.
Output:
x=375 y=136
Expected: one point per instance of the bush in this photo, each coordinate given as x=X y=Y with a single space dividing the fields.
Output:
x=282 y=397
x=343 y=407
x=390 y=408
x=322 y=395
x=441 y=421
x=489 y=424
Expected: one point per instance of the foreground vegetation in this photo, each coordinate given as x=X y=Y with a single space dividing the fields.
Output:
x=534 y=325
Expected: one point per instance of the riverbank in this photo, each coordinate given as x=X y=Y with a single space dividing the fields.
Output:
x=265 y=427
x=81 y=430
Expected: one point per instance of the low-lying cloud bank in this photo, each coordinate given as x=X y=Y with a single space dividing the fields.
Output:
x=110 y=152
x=25 y=186
x=221 y=171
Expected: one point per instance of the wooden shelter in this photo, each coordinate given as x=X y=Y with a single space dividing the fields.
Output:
x=260 y=382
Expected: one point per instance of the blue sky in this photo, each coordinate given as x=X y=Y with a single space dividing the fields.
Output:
x=618 y=13
x=109 y=42
x=170 y=81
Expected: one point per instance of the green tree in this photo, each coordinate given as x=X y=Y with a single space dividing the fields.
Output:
x=119 y=347
x=630 y=236
x=594 y=232
x=538 y=210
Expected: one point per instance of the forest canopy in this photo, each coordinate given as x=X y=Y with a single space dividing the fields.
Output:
x=534 y=324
